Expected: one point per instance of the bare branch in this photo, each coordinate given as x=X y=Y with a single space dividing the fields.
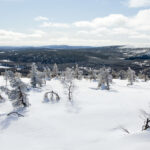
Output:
x=16 y=113
x=52 y=94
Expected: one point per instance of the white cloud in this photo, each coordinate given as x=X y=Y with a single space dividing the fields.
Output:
x=51 y=24
x=41 y=18
x=5 y=34
x=109 y=21
x=46 y=23
x=139 y=3
x=11 y=36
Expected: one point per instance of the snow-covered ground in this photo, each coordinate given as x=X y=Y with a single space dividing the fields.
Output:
x=4 y=67
x=94 y=121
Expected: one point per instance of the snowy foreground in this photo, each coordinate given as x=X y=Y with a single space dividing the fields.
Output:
x=95 y=120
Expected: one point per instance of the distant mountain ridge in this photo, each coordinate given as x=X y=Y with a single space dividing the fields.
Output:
x=69 y=47
x=45 y=47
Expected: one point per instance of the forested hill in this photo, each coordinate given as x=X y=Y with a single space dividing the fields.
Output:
x=117 y=57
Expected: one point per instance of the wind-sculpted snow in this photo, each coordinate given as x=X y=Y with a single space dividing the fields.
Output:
x=95 y=119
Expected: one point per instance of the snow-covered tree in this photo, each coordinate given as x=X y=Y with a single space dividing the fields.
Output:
x=144 y=74
x=131 y=76
x=146 y=78
x=69 y=74
x=113 y=73
x=8 y=75
x=105 y=78
x=68 y=82
x=47 y=72
x=18 y=93
x=77 y=72
x=36 y=78
x=92 y=74
x=55 y=71
x=5 y=90
x=122 y=74
x=18 y=74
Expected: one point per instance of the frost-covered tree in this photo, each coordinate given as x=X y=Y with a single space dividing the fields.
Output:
x=131 y=76
x=8 y=75
x=47 y=72
x=18 y=93
x=36 y=78
x=146 y=78
x=55 y=71
x=144 y=74
x=5 y=90
x=92 y=74
x=18 y=74
x=68 y=82
x=69 y=74
x=122 y=74
x=77 y=72
x=41 y=76
x=105 y=78
x=113 y=73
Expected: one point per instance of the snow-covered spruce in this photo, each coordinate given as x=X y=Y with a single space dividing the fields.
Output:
x=36 y=76
x=77 y=72
x=18 y=94
x=131 y=76
x=48 y=73
x=122 y=74
x=92 y=74
x=18 y=91
x=105 y=78
x=55 y=71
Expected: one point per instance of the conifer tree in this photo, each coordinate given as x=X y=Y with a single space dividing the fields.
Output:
x=55 y=71
x=36 y=79
x=131 y=76
x=105 y=78
x=18 y=93
x=77 y=72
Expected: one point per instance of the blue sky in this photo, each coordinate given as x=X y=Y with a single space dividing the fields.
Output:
x=74 y=22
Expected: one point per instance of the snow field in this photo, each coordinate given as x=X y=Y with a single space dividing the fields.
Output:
x=93 y=121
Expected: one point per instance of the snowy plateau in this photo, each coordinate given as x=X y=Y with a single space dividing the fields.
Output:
x=95 y=120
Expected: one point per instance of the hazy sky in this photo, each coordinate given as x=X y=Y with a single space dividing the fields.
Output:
x=75 y=22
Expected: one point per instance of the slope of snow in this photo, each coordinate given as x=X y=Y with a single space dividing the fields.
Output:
x=93 y=121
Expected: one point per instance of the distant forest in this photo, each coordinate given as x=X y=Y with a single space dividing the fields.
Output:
x=96 y=57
